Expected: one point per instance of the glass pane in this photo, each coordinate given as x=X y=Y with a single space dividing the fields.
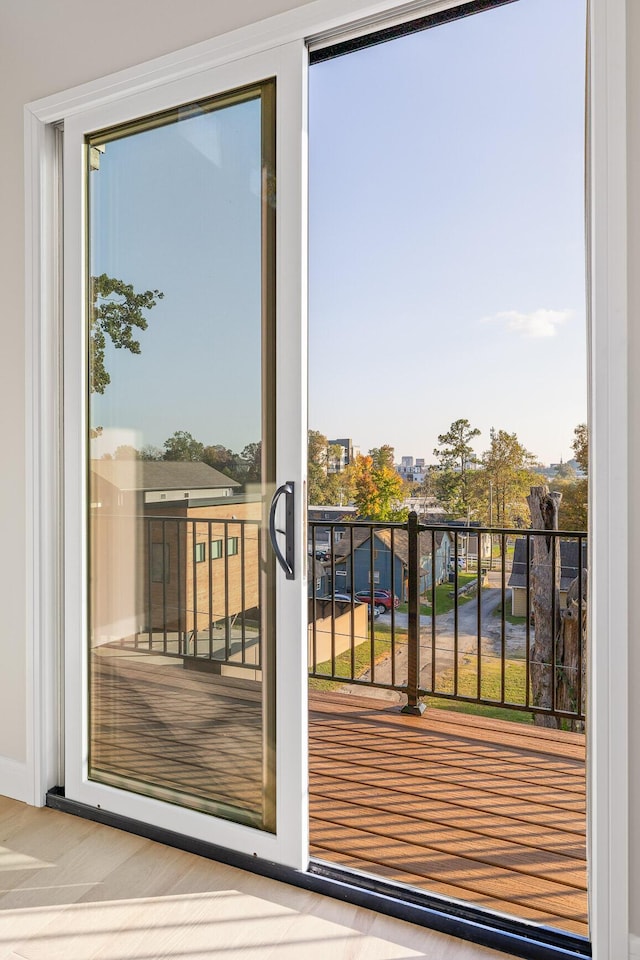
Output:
x=447 y=263
x=181 y=441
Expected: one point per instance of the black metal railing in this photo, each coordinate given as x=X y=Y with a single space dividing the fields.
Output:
x=481 y=615
x=486 y=615
x=202 y=590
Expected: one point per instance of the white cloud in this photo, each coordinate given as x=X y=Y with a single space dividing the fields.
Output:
x=538 y=323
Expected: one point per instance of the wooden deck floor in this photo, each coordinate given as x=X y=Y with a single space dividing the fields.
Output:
x=486 y=811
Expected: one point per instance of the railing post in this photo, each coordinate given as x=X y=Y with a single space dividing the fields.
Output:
x=413 y=705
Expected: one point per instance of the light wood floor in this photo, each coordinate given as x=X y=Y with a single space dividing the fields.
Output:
x=74 y=890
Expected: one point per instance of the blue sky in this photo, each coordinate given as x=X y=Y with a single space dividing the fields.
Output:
x=177 y=208
x=446 y=246
x=447 y=233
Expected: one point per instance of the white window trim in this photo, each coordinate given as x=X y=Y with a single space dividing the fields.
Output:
x=608 y=725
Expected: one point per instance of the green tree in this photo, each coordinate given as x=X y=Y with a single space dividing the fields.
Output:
x=252 y=457
x=446 y=485
x=428 y=487
x=573 y=512
x=456 y=456
x=338 y=488
x=149 y=452
x=565 y=472
x=126 y=452
x=222 y=459
x=316 y=467
x=510 y=468
x=383 y=456
x=580 y=446
x=116 y=311
x=182 y=446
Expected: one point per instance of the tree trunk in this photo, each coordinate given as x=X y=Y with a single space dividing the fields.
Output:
x=572 y=685
x=545 y=600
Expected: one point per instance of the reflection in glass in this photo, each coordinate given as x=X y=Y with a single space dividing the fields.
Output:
x=180 y=311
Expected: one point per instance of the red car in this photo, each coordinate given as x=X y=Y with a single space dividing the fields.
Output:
x=382 y=599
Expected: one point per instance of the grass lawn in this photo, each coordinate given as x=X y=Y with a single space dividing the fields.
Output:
x=444 y=600
x=514 y=688
x=467 y=682
x=362 y=654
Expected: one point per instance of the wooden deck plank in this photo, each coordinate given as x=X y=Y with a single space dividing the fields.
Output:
x=155 y=725
x=435 y=735
x=450 y=814
x=419 y=752
x=457 y=776
x=552 y=900
x=473 y=799
x=456 y=842
x=558 y=743
x=449 y=892
x=497 y=820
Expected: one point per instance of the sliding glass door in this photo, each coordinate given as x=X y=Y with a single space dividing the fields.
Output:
x=185 y=437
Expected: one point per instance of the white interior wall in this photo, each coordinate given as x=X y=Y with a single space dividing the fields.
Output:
x=633 y=173
x=46 y=47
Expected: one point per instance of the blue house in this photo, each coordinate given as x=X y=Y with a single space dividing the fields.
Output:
x=317 y=578
x=384 y=561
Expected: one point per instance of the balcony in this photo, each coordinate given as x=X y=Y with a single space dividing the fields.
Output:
x=484 y=806
x=468 y=806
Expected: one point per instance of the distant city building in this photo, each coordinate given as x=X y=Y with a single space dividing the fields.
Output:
x=336 y=464
x=429 y=509
x=557 y=468
x=413 y=471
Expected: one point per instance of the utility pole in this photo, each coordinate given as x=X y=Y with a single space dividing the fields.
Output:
x=491 y=521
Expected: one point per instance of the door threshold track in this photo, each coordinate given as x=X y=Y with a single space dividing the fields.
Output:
x=514 y=937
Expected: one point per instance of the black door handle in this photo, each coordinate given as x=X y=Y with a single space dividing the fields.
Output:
x=287 y=560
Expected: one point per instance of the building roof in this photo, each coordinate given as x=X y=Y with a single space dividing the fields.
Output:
x=160 y=475
x=361 y=536
x=330 y=513
x=569 y=553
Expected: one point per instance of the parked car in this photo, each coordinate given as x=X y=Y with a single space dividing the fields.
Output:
x=381 y=599
x=339 y=596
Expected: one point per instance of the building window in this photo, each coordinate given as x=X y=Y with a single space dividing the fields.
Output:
x=216 y=549
x=232 y=546
x=160 y=562
x=200 y=552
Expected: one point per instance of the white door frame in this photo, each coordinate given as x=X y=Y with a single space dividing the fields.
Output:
x=289 y=844
x=608 y=721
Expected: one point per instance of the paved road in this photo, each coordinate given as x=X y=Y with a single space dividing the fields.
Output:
x=445 y=640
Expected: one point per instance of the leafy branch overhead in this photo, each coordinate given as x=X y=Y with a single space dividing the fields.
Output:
x=116 y=313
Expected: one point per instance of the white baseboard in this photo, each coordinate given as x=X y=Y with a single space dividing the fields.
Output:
x=15 y=781
x=634 y=947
